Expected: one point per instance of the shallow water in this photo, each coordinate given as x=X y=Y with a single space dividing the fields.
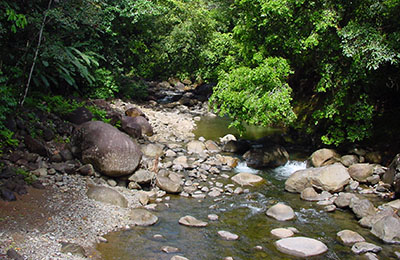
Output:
x=242 y=214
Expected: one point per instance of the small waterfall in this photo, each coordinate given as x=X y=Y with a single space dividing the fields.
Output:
x=283 y=172
x=242 y=167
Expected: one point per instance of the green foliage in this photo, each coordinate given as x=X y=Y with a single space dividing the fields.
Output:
x=28 y=177
x=105 y=85
x=132 y=89
x=258 y=96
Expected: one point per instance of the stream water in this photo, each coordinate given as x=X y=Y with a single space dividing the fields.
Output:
x=242 y=214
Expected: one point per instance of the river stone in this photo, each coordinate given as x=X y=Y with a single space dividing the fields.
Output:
x=370 y=220
x=323 y=157
x=110 y=151
x=309 y=194
x=348 y=160
x=299 y=180
x=195 y=147
x=214 y=193
x=362 y=207
x=192 y=222
x=281 y=212
x=145 y=126
x=213 y=217
x=370 y=256
x=169 y=181
x=245 y=178
x=178 y=257
x=212 y=146
x=73 y=249
x=107 y=195
x=282 y=232
x=364 y=247
x=227 y=138
x=348 y=237
x=330 y=178
x=392 y=175
x=142 y=217
x=169 y=249
x=129 y=126
x=388 y=229
x=142 y=176
x=343 y=200
x=134 y=112
x=301 y=246
x=181 y=160
x=395 y=204
x=227 y=235
x=267 y=157
x=361 y=171
x=153 y=150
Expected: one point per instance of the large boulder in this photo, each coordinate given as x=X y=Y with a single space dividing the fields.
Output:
x=392 y=175
x=299 y=180
x=362 y=207
x=169 y=181
x=107 y=195
x=330 y=178
x=388 y=229
x=301 y=246
x=323 y=157
x=147 y=129
x=110 y=151
x=142 y=176
x=270 y=157
x=129 y=126
x=245 y=178
x=361 y=171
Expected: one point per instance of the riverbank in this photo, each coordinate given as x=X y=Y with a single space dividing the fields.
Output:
x=38 y=224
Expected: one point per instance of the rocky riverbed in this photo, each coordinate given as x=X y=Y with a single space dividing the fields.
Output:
x=75 y=203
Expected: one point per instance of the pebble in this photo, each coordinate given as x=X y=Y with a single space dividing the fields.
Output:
x=213 y=217
x=227 y=235
x=282 y=232
x=158 y=236
x=169 y=249
x=364 y=247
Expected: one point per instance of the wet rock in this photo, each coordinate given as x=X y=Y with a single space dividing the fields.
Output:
x=392 y=175
x=169 y=182
x=227 y=235
x=282 y=232
x=281 y=212
x=348 y=160
x=330 y=178
x=142 y=176
x=269 y=157
x=388 y=229
x=245 y=178
x=192 y=222
x=107 y=195
x=370 y=256
x=364 y=247
x=212 y=146
x=329 y=208
x=361 y=171
x=299 y=180
x=362 y=207
x=110 y=151
x=169 y=249
x=348 y=237
x=142 y=217
x=35 y=146
x=238 y=147
x=79 y=116
x=323 y=157
x=301 y=246
x=370 y=220
x=73 y=249
x=343 y=200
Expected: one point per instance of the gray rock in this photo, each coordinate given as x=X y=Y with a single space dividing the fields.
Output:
x=142 y=217
x=178 y=257
x=388 y=229
x=153 y=150
x=169 y=249
x=142 y=176
x=370 y=256
x=362 y=207
x=348 y=160
x=364 y=247
x=245 y=178
x=268 y=157
x=169 y=182
x=309 y=194
x=213 y=217
x=370 y=220
x=299 y=180
x=281 y=212
x=392 y=175
x=227 y=235
x=282 y=232
x=323 y=157
x=361 y=171
x=107 y=195
x=212 y=146
x=330 y=178
x=192 y=222
x=343 y=200
x=348 y=237
x=301 y=246
x=145 y=126
x=110 y=151
x=196 y=147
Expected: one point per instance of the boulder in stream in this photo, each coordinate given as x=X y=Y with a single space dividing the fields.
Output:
x=192 y=222
x=107 y=195
x=169 y=181
x=245 y=178
x=281 y=212
x=142 y=217
x=361 y=171
x=388 y=229
x=301 y=246
x=323 y=157
x=268 y=157
x=349 y=237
